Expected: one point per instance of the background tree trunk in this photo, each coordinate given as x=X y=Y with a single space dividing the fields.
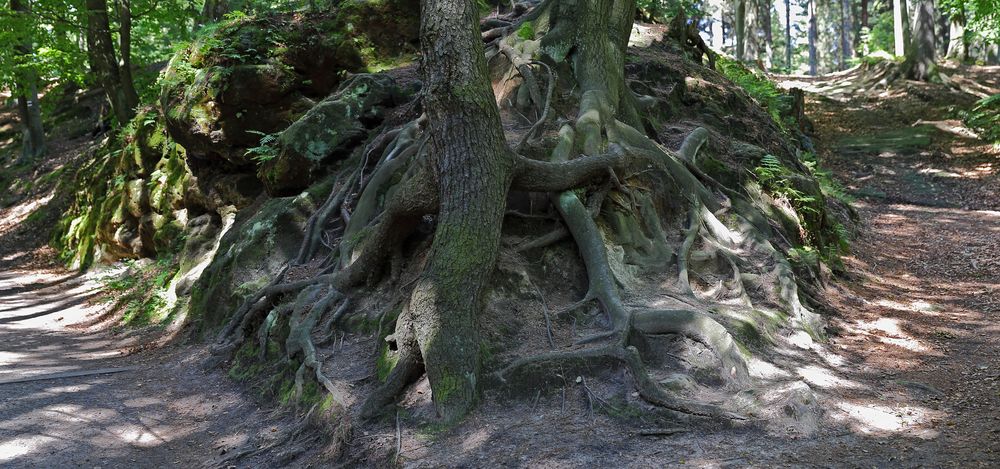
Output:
x=845 y=33
x=104 y=63
x=29 y=111
x=899 y=25
x=717 y=25
x=765 y=15
x=741 y=26
x=214 y=10
x=125 y=49
x=788 y=35
x=958 y=48
x=919 y=64
x=812 y=37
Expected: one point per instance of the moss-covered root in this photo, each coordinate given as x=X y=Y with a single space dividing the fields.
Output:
x=700 y=328
x=394 y=159
x=539 y=369
x=299 y=342
x=407 y=369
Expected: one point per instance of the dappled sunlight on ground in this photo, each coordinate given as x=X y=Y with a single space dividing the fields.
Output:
x=162 y=411
x=871 y=418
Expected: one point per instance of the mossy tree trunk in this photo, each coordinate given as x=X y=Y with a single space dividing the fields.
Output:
x=473 y=168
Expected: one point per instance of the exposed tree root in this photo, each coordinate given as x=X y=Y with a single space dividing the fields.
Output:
x=454 y=165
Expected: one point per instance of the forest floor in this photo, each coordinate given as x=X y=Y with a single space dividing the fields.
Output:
x=913 y=378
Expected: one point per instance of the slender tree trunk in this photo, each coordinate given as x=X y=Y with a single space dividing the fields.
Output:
x=125 y=50
x=765 y=12
x=899 y=22
x=845 y=33
x=812 y=37
x=741 y=26
x=104 y=63
x=864 y=32
x=29 y=111
x=788 y=35
x=717 y=25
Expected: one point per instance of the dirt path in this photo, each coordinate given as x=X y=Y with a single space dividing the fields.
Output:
x=163 y=412
x=919 y=316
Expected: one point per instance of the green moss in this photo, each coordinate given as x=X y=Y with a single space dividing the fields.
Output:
x=526 y=31
x=385 y=362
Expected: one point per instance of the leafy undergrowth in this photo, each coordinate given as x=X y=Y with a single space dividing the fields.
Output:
x=984 y=118
x=756 y=84
x=141 y=293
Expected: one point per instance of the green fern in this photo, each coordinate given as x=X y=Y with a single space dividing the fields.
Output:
x=266 y=150
x=984 y=118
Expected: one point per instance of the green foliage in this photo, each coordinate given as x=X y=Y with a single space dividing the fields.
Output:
x=982 y=17
x=778 y=180
x=141 y=291
x=663 y=10
x=827 y=184
x=984 y=118
x=55 y=31
x=762 y=90
x=267 y=150
x=526 y=31
x=775 y=178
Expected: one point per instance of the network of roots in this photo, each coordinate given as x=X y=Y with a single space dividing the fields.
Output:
x=666 y=249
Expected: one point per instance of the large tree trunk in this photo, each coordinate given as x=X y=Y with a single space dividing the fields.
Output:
x=919 y=64
x=473 y=167
x=29 y=111
x=812 y=38
x=104 y=63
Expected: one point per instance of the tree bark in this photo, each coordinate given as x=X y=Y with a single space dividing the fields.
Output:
x=104 y=63
x=473 y=166
x=812 y=37
x=845 y=33
x=741 y=26
x=29 y=111
x=900 y=24
x=788 y=35
x=919 y=64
